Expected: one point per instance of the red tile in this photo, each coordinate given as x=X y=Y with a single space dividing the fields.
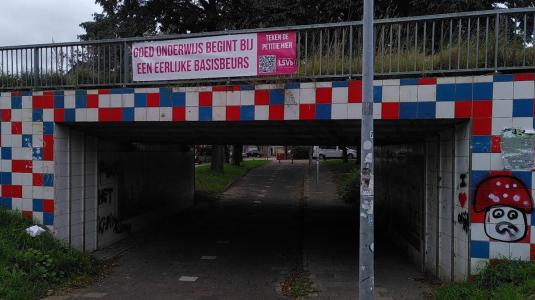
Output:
x=524 y=77
x=92 y=101
x=153 y=100
x=476 y=217
x=233 y=113
x=324 y=95
x=307 y=112
x=16 y=93
x=427 y=81
x=221 y=88
x=355 y=83
x=390 y=111
x=463 y=109
x=48 y=147
x=261 y=97
x=276 y=112
x=48 y=101
x=5 y=115
x=104 y=92
x=13 y=191
x=482 y=109
x=354 y=94
x=21 y=166
x=205 y=98
x=27 y=214
x=16 y=128
x=482 y=126
x=496 y=144
x=59 y=115
x=38 y=180
x=532 y=252
x=113 y=114
x=48 y=206
x=37 y=101
x=501 y=173
x=179 y=114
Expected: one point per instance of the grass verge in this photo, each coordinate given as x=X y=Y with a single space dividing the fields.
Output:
x=32 y=267
x=209 y=183
x=503 y=280
x=347 y=177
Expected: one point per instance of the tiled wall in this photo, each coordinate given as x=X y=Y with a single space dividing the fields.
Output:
x=492 y=103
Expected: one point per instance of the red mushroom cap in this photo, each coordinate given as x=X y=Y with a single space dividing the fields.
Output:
x=503 y=190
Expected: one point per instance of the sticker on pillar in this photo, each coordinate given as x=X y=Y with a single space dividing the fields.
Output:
x=366 y=181
x=517 y=148
x=505 y=201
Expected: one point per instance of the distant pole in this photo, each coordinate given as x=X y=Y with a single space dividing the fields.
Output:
x=366 y=242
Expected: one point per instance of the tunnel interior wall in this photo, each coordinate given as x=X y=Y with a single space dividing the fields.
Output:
x=107 y=189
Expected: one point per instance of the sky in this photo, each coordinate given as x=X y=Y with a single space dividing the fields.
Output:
x=43 y=21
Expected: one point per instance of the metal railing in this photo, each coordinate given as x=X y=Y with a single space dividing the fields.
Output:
x=471 y=42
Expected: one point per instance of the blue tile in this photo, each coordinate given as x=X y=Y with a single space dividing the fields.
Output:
x=37 y=115
x=476 y=177
x=165 y=97
x=48 y=219
x=533 y=218
x=408 y=81
x=27 y=140
x=178 y=99
x=70 y=115
x=340 y=84
x=524 y=176
x=276 y=96
x=427 y=110
x=123 y=91
x=6 y=153
x=16 y=102
x=59 y=93
x=128 y=114
x=205 y=113
x=48 y=127
x=6 y=203
x=408 y=110
x=463 y=92
x=140 y=100
x=247 y=87
x=48 y=180
x=59 y=101
x=481 y=144
x=37 y=153
x=503 y=78
x=5 y=178
x=247 y=113
x=27 y=93
x=323 y=112
x=81 y=101
x=80 y=93
x=483 y=91
x=523 y=108
x=445 y=92
x=479 y=249
x=37 y=205
x=377 y=94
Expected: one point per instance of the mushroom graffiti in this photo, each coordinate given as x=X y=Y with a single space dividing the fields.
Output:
x=505 y=201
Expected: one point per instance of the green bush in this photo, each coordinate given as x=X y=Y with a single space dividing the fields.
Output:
x=347 y=177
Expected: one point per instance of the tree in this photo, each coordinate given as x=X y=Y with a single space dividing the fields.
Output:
x=127 y=18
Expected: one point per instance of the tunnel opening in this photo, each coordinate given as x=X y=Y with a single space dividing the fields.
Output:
x=140 y=173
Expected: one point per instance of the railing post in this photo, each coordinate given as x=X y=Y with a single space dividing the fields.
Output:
x=36 y=63
x=126 y=62
x=350 y=51
x=496 y=41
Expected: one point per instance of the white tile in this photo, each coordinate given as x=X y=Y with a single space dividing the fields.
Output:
x=153 y=114
x=408 y=93
x=166 y=114
x=80 y=115
x=26 y=115
x=16 y=204
x=354 y=111
x=377 y=111
x=192 y=99
x=69 y=102
x=26 y=128
x=92 y=114
x=391 y=93
x=478 y=232
x=480 y=161
x=502 y=108
x=524 y=123
x=261 y=112
x=233 y=98
x=219 y=98
x=116 y=100
x=498 y=250
x=464 y=79
x=427 y=93
x=128 y=100
x=219 y=113
x=485 y=78
x=339 y=112
x=520 y=251
x=340 y=95
x=291 y=112
x=27 y=102
x=327 y=84
x=192 y=114
x=445 y=80
x=140 y=114
x=16 y=114
x=503 y=90
x=445 y=110
x=48 y=115
x=291 y=96
x=388 y=82
x=307 y=96
x=496 y=161
x=477 y=265
x=247 y=98
x=499 y=124
x=524 y=90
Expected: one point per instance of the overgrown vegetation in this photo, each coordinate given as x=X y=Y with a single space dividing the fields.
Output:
x=347 y=177
x=503 y=280
x=297 y=285
x=209 y=183
x=32 y=266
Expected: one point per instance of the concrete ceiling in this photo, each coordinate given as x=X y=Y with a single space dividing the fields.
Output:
x=343 y=132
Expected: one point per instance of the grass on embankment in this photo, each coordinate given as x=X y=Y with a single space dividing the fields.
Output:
x=209 y=183
x=503 y=280
x=30 y=267
x=347 y=177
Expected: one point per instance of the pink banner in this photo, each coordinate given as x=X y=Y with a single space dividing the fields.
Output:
x=277 y=52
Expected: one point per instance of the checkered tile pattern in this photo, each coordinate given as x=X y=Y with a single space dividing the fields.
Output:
x=491 y=102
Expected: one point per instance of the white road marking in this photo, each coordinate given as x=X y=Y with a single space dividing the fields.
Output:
x=188 y=278
x=208 y=257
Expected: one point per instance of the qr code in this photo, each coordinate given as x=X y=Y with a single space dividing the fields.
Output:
x=267 y=64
